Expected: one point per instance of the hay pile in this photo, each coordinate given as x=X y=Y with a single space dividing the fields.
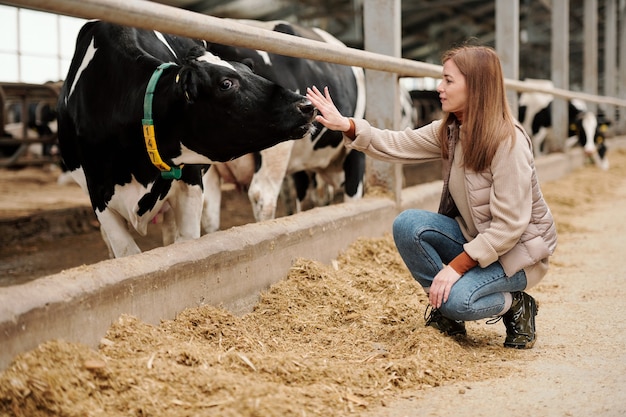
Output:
x=336 y=340
x=328 y=340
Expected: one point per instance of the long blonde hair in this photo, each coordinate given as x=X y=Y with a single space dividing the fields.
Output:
x=487 y=117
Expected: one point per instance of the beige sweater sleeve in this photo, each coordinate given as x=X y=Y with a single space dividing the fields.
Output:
x=405 y=146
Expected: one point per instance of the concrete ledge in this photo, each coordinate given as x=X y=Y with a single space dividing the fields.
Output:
x=227 y=268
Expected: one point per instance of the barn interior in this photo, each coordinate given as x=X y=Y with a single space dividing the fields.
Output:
x=429 y=27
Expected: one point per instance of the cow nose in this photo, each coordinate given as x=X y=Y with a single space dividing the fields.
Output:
x=307 y=108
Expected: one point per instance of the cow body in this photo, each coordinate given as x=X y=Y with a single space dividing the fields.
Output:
x=320 y=157
x=584 y=127
x=203 y=110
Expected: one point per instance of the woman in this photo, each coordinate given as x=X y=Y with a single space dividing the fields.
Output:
x=493 y=234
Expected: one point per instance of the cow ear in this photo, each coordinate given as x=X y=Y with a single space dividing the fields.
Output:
x=187 y=78
x=187 y=83
x=248 y=62
x=194 y=53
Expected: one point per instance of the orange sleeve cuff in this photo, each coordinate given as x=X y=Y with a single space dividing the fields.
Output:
x=351 y=133
x=463 y=263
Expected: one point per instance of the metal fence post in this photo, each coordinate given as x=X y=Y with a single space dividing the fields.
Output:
x=560 y=72
x=382 y=20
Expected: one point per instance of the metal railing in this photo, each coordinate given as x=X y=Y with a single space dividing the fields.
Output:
x=150 y=15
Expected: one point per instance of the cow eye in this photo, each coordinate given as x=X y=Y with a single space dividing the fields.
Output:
x=226 y=84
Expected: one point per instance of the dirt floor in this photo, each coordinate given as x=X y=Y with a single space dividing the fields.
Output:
x=349 y=339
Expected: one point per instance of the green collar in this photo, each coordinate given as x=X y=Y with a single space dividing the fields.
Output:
x=167 y=172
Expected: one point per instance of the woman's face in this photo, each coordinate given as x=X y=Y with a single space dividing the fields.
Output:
x=452 y=90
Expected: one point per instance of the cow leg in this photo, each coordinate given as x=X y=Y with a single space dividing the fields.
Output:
x=290 y=190
x=321 y=191
x=604 y=162
x=598 y=156
x=601 y=163
x=106 y=241
x=539 y=141
x=168 y=225
x=117 y=236
x=186 y=205
x=310 y=191
x=211 y=202
x=324 y=189
x=267 y=181
x=354 y=169
x=571 y=142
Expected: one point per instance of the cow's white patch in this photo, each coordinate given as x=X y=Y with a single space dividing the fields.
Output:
x=266 y=57
x=79 y=176
x=212 y=200
x=124 y=202
x=579 y=104
x=266 y=183
x=188 y=156
x=589 y=125
x=179 y=212
x=161 y=38
x=183 y=219
x=89 y=54
x=359 y=77
x=214 y=59
x=116 y=235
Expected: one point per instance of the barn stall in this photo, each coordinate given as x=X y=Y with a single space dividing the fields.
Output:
x=222 y=269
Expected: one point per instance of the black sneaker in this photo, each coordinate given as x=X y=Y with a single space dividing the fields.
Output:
x=443 y=324
x=520 y=322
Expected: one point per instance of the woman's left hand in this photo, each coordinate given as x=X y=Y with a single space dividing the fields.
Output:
x=441 y=286
x=329 y=115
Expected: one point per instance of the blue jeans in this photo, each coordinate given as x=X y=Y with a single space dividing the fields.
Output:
x=426 y=241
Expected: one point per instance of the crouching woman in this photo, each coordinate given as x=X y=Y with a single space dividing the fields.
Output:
x=494 y=233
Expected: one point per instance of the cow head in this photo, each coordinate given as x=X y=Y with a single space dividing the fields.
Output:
x=590 y=130
x=221 y=110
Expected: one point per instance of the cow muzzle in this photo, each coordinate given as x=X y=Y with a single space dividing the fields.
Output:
x=308 y=111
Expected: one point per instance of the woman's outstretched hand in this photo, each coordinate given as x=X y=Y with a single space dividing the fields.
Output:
x=329 y=115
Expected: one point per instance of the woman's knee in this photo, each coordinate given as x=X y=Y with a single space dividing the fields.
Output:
x=404 y=230
x=407 y=223
x=456 y=308
x=465 y=306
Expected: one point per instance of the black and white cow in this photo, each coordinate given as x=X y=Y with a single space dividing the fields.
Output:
x=584 y=127
x=320 y=156
x=192 y=107
x=320 y=159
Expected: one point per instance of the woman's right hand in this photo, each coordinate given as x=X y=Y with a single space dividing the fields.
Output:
x=329 y=115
